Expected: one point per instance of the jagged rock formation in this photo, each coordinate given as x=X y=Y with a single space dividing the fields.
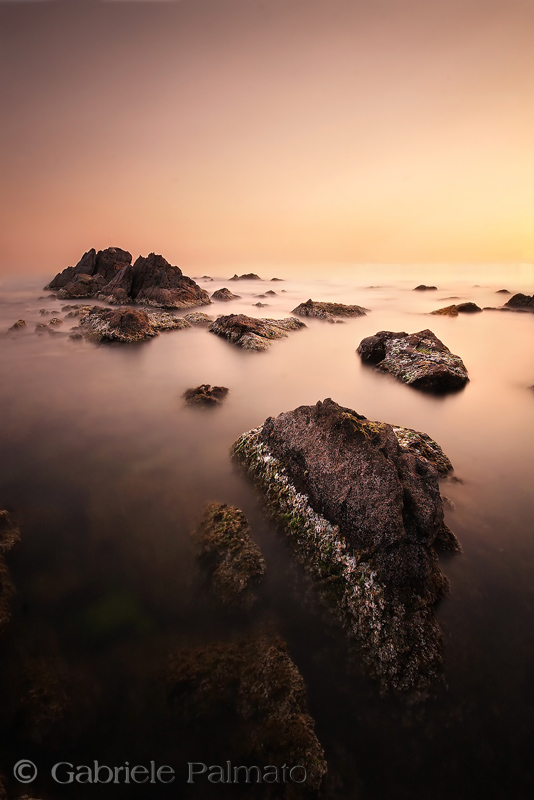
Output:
x=205 y=395
x=365 y=515
x=328 y=311
x=109 y=275
x=419 y=359
x=251 y=333
x=229 y=555
x=248 y=276
x=454 y=310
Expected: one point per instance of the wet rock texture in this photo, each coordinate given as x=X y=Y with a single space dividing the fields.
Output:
x=328 y=311
x=126 y=324
x=251 y=333
x=419 y=359
x=252 y=688
x=205 y=395
x=520 y=302
x=109 y=275
x=365 y=515
x=454 y=310
x=9 y=535
x=231 y=559
x=224 y=295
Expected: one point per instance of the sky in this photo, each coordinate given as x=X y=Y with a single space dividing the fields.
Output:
x=221 y=132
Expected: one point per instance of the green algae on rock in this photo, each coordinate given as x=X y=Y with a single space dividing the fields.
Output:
x=251 y=333
x=253 y=698
x=230 y=556
x=418 y=359
x=364 y=515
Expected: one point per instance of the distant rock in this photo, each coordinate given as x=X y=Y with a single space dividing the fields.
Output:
x=109 y=275
x=280 y=280
x=260 y=305
x=365 y=515
x=205 y=395
x=55 y=321
x=251 y=333
x=126 y=324
x=249 y=276
x=418 y=359
x=224 y=295
x=520 y=302
x=328 y=311
x=230 y=557
x=502 y=291
x=251 y=697
x=423 y=288
x=461 y=308
x=270 y=291
x=20 y=323
x=199 y=319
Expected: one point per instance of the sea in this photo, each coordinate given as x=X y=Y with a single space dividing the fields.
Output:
x=107 y=471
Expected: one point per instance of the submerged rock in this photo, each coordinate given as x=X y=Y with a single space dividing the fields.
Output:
x=502 y=291
x=9 y=535
x=328 y=311
x=126 y=324
x=520 y=302
x=248 y=276
x=460 y=308
x=230 y=556
x=224 y=295
x=365 y=515
x=20 y=323
x=252 y=698
x=419 y=359
x=251 y=333
x=423 y=288
x=205 y=395
x=109 y=275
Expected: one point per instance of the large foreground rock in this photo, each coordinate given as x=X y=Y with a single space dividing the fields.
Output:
x=232 y=560
x=328 y=311
x=251 y=333
x=251 y=698
x=126 y=324
x=419 y=359
x=109 y=275
x=365 y=515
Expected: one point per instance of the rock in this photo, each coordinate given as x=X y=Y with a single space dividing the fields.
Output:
x=249 y=276
x=423 y=446
x=199 y=319
x=279 y=280
x=423 y=288
x=251 y=333
x=502 y=291
x=109 y=275
x=520 y=302
x=260 y=305
x=419 y=359
x=45 y=311
x=270 y=291
x=126 y=324
x=365 y=515
x=205 y=395
x=9 y=535
x=251 y=697
x=461 y=308
x=328 y=311
x=229 y=555
x=20 y=323
x=224 y=295
x=55 y=321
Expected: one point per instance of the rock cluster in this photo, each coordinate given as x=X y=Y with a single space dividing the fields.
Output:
x=460 y=308
x=109 y=275
x=328 y=311
x=251 y=333
x=419 y=359
x=365 y=515
x=230 y=557
x=205 y=395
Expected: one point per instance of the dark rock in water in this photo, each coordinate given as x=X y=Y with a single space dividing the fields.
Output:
x=251 y=333
x=419 y=359
x=224 y=294
x=231 y=558
x=20 y=323
x=260 y=305
x=9 y=535
x=205 y=395
x=520 y=302
x=279 y=280
x=199 y=319
x=312 y=308
x=502 y=291
x=423 y=288
x=365 y=514
x=126 y=324
x=460 y=308
x=251 y=697
x=55 y=321
x=248 y=276
x=109 y=275
x=270 y=291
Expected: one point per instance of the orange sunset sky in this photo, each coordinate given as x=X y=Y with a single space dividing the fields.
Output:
x=251 y=131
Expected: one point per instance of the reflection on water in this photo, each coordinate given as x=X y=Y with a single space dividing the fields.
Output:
x=107 y=472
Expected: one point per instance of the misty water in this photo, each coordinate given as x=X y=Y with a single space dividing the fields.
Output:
x=106 y=472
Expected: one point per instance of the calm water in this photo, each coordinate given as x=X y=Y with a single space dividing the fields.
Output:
x=107 y=472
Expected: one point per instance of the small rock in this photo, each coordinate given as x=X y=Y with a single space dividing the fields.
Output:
x=502 y=291
x=423 y=288
x=260 y=305
x=20 y=323
x=205 y=395
x=270 y=291
x=249 y=276
x=461 y=308
x=251 y=333
x=224 y=295
x=55 y=321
